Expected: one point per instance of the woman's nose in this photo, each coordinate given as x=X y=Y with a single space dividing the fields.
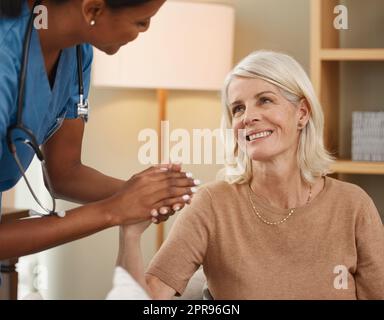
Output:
x=250 y=116
x=145 y=27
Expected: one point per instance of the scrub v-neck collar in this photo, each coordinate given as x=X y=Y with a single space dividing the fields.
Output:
x=39 y=55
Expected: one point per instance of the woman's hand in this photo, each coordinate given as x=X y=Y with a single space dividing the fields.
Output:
x=134 y=230
x=162 y=214
x=156 y=187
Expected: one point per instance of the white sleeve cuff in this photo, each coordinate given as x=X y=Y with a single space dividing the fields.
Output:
x=125 y=287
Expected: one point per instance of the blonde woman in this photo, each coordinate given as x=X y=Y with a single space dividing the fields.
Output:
x=280 y=229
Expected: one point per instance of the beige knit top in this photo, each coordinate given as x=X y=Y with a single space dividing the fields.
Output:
x=332 y=248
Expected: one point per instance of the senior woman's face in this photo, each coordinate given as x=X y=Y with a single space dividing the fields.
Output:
x=116 y=27
x=269 y=122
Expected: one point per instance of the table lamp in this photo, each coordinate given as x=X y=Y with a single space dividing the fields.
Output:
x=189 y=46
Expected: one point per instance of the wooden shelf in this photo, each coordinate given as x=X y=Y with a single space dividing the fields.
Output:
x=352 y=54
x=11 y=214
x=325 y=53
x=358 y=167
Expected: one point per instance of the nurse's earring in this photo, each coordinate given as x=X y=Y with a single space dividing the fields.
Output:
x=92 y=23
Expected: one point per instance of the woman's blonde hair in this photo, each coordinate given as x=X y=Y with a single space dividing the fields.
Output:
x=286 y=73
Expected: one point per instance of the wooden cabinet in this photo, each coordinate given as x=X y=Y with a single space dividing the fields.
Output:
x=326 y=56
x=9 y=277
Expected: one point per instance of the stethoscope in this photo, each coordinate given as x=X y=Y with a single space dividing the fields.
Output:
x=28 y=138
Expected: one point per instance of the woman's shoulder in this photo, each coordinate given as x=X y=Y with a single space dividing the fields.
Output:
x=212 y=200
x=345 y=191
x=10 y=61
x=12 y=32
x=10 y=51
x=219 y=188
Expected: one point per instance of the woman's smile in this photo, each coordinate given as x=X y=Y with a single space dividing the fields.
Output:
x=258 y=136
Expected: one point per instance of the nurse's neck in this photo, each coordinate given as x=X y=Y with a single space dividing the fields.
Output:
x=64 y=23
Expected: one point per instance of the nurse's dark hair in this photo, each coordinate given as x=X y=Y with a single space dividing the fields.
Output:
x=12 y=8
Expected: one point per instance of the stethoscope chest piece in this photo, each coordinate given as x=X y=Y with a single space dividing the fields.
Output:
x=83 y=108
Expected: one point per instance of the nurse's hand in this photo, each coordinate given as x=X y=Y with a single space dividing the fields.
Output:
x=162 y=214
x=156 y=187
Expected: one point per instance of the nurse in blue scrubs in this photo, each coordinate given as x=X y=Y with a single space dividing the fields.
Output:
x=50 y=112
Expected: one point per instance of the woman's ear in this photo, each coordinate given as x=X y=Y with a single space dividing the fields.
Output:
x=304 y=113
x=92 y=10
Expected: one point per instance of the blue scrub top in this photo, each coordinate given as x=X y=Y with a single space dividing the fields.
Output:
x=44 y=108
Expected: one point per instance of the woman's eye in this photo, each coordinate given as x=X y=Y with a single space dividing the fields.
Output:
x=265 y=100
x=237 y=109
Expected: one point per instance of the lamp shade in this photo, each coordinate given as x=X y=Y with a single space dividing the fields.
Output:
x=189 y=45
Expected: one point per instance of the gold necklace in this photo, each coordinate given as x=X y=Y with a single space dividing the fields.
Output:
x=274 y=223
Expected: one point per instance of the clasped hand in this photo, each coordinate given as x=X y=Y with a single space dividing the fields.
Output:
x=154 y=195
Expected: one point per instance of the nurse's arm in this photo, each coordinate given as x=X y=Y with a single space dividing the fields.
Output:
x=70 y=178
x=151 y=188
x=23 y=237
